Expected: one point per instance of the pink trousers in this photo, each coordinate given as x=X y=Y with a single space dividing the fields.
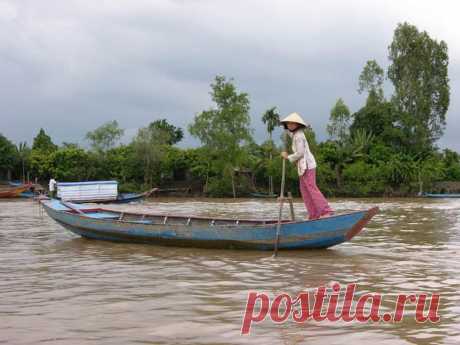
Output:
x=314 y=200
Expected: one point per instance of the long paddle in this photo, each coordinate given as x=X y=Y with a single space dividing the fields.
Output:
x=278 y=226
x=68 y=205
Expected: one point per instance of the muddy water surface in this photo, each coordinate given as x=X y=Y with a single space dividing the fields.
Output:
x=56 y=288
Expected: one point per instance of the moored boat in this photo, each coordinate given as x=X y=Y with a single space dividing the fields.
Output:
x=102 y=192
x=109 y=225
x=14 y=191
x=125 y=198
x=262 y=195
x=441 y=196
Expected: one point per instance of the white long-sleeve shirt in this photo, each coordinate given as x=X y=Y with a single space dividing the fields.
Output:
x=52 y=185
x=301 y=152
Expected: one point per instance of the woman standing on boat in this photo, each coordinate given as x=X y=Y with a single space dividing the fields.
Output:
x=315 y=203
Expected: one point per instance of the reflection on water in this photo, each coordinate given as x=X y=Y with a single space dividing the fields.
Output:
x=58 y=288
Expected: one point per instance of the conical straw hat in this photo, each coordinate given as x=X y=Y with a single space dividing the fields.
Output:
x=294 y=117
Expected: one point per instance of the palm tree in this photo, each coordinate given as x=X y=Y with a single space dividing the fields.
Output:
x=349 y=149
x=271 y=119
x=23 y=152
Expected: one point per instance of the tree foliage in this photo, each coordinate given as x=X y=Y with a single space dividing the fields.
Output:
x=386 y=147
x=224 y=129
x=70 y=164
x=149 y=146
x=42 y=142
x=8 y=155
x=105 y=136
x=418 y=72
x=339 y=121
x=175 y=133
x=23 y=156
x=371 y=80
x=271 y=118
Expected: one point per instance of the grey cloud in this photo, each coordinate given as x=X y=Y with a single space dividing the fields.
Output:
x=70 y=66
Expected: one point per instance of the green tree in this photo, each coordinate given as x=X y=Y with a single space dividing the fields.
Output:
x=380 y=119
x=400 y=170
x=363 y=179
x=418 y=72
x=70 y=164
x=201 y=167
x=41 y=155
x=271 y=119
x=105 y=136
x=371 y=80
x=339 y=121
x=149 y=145
x=225 y=128
x=428 y=170
x=340 y=153
x=122 y=164
x=176 y=163
x=24 y=157
x=451 y=163
x=41 y=164
x=8 y=156
x=175 y=133
x=42 y=142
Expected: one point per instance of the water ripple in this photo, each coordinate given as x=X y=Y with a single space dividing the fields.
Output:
x=61 y=289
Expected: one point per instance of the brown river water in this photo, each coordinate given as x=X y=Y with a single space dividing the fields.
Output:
x=57 y=288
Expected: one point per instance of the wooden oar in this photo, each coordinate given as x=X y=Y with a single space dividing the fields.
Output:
x=291 y=206
x=278 y=226
x=283 y=178
x=68 y=205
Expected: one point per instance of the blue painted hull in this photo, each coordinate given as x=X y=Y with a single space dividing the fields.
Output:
x=121 y=199
x=125 y=198
x=27 y=195
x=263 y=195
x=129 y=197
x=198 y=232
x=441 y=196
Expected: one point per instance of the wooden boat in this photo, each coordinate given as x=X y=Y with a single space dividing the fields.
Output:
x=102 y=192
x=33 y=191
x=171 y=191
x=432 y=195
x=13 y=191
x=262 y=195
x=125 y=198
x=122 y=198
x=103 y=224
x=27 y=194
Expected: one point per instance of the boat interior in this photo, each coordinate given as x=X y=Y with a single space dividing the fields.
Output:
x=157 y=219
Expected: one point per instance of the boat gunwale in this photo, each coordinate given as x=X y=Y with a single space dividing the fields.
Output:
x=14 y=191
x=254 y=222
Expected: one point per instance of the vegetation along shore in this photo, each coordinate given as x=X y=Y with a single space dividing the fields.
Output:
x=388 y=147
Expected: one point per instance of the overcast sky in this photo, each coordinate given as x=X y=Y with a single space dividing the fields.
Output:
x=70 y=66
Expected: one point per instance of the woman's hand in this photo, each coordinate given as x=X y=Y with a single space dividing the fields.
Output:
x=284 y=154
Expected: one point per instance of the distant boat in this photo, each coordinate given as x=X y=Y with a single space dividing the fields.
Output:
x=102 y=224
x=125 y=198
x=27 y=194
x=262 y=195
x=96 y=192
x=14 y=191
x=15 y=183
x=433 y=195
